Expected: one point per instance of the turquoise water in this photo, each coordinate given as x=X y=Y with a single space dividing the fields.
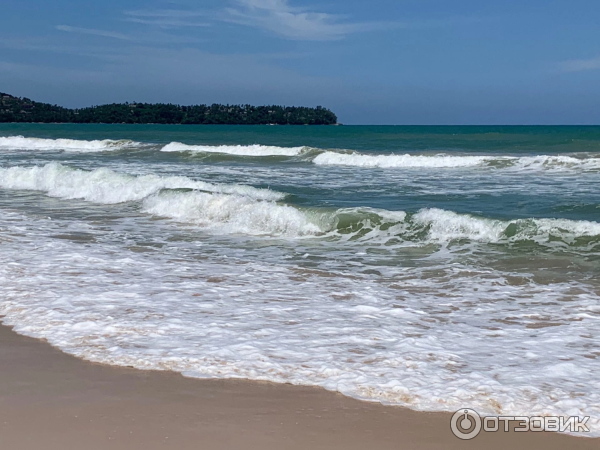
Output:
x=391 y=264
x=567 y=199
x=511 y=139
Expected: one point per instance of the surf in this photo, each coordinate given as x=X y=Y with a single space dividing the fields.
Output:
x=237 y=150
x=73 y=145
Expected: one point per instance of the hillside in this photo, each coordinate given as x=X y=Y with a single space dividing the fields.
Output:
x=16 y=109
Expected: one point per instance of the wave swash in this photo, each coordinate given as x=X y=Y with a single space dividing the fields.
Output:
x=435 y=281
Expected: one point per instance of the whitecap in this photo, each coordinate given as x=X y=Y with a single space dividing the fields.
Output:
x=70 y=145
x=109 y=187
x=237 y=150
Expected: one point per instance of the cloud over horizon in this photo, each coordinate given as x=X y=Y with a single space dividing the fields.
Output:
x=580 y=65
x=417 y=62
x=166 y=18
x=94 y=32
x=284 y=20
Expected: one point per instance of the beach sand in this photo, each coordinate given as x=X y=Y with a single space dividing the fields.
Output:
x=50 y=400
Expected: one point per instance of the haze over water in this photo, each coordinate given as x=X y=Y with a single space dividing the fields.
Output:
x=431 y=267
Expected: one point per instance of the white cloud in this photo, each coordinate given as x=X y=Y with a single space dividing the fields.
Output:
x=103 y=33
x=166 y=18
x=275 y=16
x=279 y=17
x=579 y=65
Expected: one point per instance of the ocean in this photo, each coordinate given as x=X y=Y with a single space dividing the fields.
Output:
x=435 y=268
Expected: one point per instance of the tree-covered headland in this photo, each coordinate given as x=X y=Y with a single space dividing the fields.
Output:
x=16 y=109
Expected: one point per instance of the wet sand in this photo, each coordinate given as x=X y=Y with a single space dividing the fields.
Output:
x=50 y=400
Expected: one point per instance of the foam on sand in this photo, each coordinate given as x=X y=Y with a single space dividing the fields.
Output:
x=406 y=342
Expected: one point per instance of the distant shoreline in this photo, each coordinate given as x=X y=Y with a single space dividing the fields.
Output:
x=23 y=110
x=187 y=124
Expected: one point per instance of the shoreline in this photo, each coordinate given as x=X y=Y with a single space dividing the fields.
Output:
x=52 y=400
x=184 y=124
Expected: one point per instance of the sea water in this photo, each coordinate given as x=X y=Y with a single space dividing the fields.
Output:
x=435 y=268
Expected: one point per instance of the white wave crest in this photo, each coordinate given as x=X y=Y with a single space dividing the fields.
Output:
x=559 y=227
x=231 y=214
x=445 y=226
x=248 y=210
x=109 y=187
x=448 y=225
x=70 y=145
x=525 y=163
x=238 y=150
x=556 y=162
x=389 y=161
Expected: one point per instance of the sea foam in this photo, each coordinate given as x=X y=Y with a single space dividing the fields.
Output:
x=330 y=158
x=109 y=187
x=408 y=341
x=231 y=214
x=234 y=208
x=238 y=150
x=70 y=145
x=521 y=163
x=556 y=162
x=446 y=226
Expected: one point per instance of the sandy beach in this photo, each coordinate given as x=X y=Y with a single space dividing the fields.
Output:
x=51 y=400
x=296 y=225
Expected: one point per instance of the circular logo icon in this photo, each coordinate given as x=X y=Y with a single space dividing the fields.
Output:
x=465 y=424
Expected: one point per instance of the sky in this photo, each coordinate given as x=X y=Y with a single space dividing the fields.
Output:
x=371 y=62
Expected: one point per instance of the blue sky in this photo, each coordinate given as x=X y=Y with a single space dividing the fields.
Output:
x=375 y=62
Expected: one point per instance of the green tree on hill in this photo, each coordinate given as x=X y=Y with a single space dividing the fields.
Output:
x=15 y=109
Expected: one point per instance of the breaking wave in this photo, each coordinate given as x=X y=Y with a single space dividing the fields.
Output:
x=238 y=150
x=247 y=210
x=109 y=187
x=539 y=162
x=438 y=226
x=557 y=162
x=70 y=145
x=388 y=161
x=321 y=157
x=231 y=214
x=445 y=226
